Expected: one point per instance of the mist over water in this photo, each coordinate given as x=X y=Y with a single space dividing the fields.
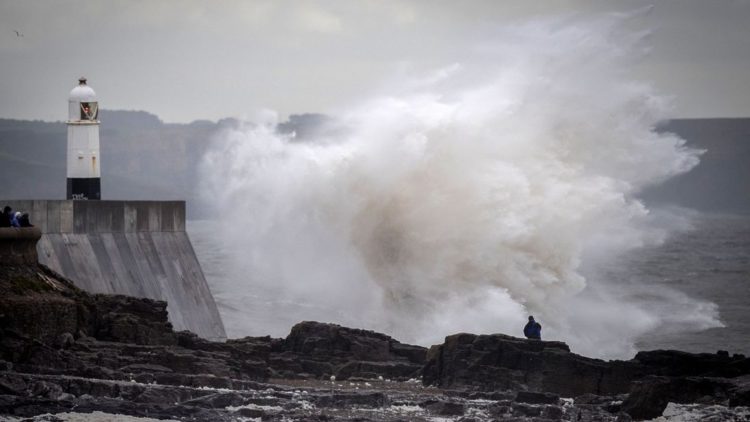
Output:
x=462 y=200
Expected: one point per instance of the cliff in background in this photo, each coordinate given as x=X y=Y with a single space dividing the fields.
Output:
x=146 y=159
x=143 y=158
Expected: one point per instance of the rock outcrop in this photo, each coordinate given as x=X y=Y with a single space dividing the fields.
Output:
x=651 y=395
x=500 y=362
x=62 y=349
x=652 y=379
x=315 y=350
x=50 y=320
x=41 y=304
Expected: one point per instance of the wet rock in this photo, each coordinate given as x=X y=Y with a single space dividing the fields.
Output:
x=623 y=417
x=126 y=319
x=500 y=362
x=128 y=360
x=392 y=370
x=554 y=413
x=330 y=340
x=156 y=395
x=98 y=372
x=367 y=399
x=498 y=410
x=491 y=395
x=209 y=380
x=47 y=390
x=610 y=404
x=65 y=340
x=173 y=379
x=650 y=396
x=594 y=399
x=253 y=369
x=318 y=350
x=528 y=410
x=677 y=363
x=144 y=367
x=740 y=393
x=290 y=365
x=12 y=384
x=31 y=406
x=251 y=413
x=537 y=398
x=446 y=408
x=217 y=400
x=144 y=378
x=46 y=418
x=316 y=339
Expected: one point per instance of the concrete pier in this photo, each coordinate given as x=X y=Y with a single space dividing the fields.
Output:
x=18 y=245
x=135 y=248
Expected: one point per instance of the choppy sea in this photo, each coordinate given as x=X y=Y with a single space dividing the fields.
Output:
x=710 y=262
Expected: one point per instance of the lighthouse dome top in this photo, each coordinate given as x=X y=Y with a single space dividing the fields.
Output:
x=82 y=93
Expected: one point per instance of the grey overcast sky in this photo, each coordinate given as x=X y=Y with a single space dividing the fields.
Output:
x=187 y=60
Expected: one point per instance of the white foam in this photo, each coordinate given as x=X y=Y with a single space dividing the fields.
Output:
x=464 y=200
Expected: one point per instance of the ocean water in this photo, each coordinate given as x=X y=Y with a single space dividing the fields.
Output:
x=707 y=263
x=710 y=262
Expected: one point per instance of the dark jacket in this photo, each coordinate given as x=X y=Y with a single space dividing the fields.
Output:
x=5 y=218
x=24 y=220
x=533 y=330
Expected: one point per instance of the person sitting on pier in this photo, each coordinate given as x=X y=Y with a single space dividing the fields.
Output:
x=24 y=220
x=5 y=216
x=14 y=219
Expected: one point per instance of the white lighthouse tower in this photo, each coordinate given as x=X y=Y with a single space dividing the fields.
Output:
x=84 y=180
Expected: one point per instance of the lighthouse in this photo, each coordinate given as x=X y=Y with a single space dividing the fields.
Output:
x=84 y=180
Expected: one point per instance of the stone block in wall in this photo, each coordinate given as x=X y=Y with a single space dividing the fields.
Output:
x=66 y=217
x=39 y=214
x=154 y=216
x=51 y=221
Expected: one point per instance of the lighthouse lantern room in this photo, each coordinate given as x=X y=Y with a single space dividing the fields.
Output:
x=84 y=180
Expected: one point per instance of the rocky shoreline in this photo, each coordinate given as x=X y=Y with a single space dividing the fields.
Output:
x=64 y=350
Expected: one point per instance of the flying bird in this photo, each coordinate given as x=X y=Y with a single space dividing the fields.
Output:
x=18 y=34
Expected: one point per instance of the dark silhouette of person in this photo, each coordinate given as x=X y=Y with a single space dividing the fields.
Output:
x=14 y=219
x=24 y=220
x=533 y=329
x=5 y=216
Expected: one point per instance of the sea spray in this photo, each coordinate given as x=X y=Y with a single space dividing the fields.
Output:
x=464 y=200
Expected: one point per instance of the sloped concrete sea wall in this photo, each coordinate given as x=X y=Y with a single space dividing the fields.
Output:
x=134 y=248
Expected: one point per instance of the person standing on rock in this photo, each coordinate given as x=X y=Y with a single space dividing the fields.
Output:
x=533 y=329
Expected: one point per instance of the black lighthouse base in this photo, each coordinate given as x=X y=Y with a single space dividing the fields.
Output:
x=84 y=188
